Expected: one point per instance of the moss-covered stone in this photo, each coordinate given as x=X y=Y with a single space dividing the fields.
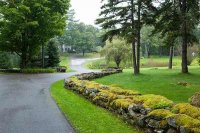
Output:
x=182 y=120
x=185 y=108
x=119 y=91
x=153 y=101
x=105 y=96
x=165 y=115
x=161 y=113
x=122 y=103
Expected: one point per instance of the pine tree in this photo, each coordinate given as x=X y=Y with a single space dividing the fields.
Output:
x=125 y=19
x=178 y=18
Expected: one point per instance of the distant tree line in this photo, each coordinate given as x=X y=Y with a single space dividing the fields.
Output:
x=79 y=36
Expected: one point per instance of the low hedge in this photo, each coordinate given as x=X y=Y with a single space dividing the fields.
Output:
x=155 y=113
x=10 y=70
x=38 y=70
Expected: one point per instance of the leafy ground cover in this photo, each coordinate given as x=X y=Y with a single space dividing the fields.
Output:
x=161 y=81
x=86 y=117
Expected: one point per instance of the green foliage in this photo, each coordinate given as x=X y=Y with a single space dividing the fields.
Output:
x=175 y=20
x=81 y=37
x=9 y=60
x=5 y=61
x=86 y=117
x=53 y=54
x=26 y=25
x=37 y=70
x=118 y=50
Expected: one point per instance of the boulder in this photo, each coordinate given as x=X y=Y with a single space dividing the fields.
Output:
x=195 y=100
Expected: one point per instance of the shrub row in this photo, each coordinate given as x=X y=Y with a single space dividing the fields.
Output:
x=38 y=70
x=153 y=112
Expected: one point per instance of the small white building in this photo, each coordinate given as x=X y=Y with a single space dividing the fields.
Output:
x=64 y=48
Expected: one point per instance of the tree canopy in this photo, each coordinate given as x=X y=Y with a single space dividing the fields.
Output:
x=118 y=50
x=26 y=25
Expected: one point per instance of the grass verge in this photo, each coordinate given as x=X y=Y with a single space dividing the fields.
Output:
x=161 y=81
x=65 y=61
x=86 y=117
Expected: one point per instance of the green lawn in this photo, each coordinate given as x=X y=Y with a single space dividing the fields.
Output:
x=65 y=61
x=159 y=81
x=85 y=116
x=153 y=61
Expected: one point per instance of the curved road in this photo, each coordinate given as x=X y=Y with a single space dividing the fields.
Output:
x=26 y=105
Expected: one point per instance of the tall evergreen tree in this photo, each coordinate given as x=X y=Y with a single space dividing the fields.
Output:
x=178 y=18
x=125 y=18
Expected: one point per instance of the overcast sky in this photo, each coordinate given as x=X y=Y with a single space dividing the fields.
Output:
x=86 y=10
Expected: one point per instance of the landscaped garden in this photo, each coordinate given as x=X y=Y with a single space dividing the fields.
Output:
x=147 y=53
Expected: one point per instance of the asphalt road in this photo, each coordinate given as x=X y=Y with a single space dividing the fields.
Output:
x=26 y=105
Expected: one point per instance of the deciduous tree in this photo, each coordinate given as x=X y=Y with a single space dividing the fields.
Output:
x=26 y=25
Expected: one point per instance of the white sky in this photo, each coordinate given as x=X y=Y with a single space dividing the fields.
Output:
x=87 y=11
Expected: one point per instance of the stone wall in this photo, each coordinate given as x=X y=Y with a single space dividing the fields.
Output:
x=154 y=113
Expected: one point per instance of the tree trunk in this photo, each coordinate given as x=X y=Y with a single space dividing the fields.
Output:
x=160 y=51
x=134 y=39
x=184 y=38
x=43 y=56
x=83 y=52
x=118 y=63
x=138 y=38
x=23 y=60
x=134 y=57
x=171 y=54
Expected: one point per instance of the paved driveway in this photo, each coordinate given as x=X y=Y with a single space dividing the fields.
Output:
x=26 y=105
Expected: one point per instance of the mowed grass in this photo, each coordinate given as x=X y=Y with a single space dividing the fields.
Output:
x=65 y=61
x=85 y=116
x=153 y=61
x=159 y=81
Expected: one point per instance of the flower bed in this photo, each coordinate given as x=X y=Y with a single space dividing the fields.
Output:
x=152 y=112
